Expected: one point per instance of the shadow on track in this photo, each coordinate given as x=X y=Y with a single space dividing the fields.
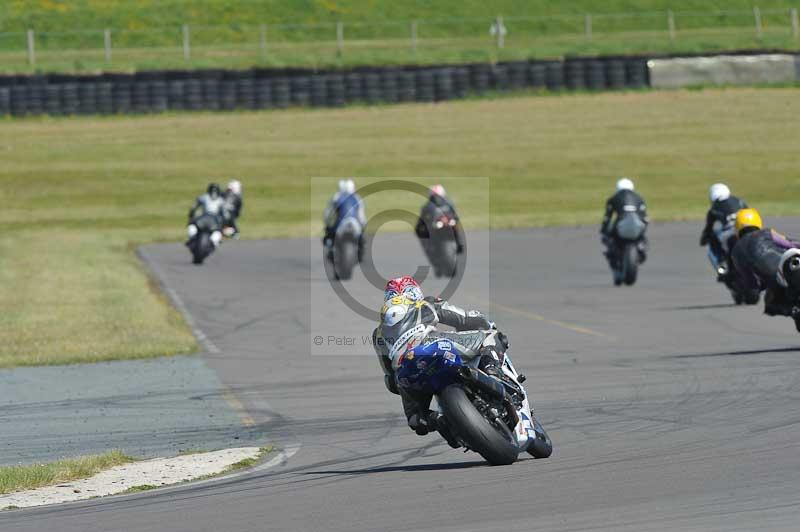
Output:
x=740 y=353
x=701 y=307
x=402 y=468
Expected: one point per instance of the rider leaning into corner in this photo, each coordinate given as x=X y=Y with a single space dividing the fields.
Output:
x=763 y=259
x=212 y=202
x=416 y=406
x=345 y=203
x=624 y=201
x=437 y=203
x=722 y=211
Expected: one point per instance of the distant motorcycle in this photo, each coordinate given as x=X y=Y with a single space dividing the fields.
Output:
x=724 y=266
x=344 y=253
x=623 y=248
x=204 y=236
x=441 y=246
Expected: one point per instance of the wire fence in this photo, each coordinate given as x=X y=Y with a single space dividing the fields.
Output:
x=366 y=41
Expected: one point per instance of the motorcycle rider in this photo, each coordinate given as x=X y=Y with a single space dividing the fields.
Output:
x=624 y=201
x=415 y=404
x=768 y=260
x=212 y=203
x=438 y=203
x=232 y=208
x=344 y=203
x=722 y=213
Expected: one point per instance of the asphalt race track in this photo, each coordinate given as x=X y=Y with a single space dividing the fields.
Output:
x=669 y=408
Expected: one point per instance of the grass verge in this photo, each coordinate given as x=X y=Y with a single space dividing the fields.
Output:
x=82 y=192
x=17 y=478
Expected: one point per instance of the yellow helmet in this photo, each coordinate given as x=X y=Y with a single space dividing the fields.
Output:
x=748 y=218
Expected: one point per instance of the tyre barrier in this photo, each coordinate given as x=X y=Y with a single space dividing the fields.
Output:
x=211 y=90
x=615 y=74
x=595 y=75
x=425 y=86
x=443 y=84
x=337 y=93
x=575 y=74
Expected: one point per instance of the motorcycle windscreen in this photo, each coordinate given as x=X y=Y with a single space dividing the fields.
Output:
x=630 y=226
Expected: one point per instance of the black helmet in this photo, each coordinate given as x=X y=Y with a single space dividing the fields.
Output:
x=213 y=190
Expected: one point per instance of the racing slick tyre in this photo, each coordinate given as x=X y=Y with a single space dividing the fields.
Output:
x=542 y=446
x=630 y=262
x=344 y=259
x=751 y=297
x=200 y=248
x=497 y=446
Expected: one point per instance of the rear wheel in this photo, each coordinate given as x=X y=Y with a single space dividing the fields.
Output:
x=497 y=446
x=630 y=263
x=449 y=258
x=344 y=259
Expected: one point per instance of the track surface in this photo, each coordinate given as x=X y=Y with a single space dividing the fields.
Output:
x=669 y=408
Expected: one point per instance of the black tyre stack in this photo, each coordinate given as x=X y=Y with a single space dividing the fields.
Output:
x=575 y=74
x=246 y=93
x=227 y=94
x=122 y=95
x=517 y=75
x=637 y=74
x=554 y=75
x=426 y=89
x=372 y=87
x=389 y=85
x=87 y=98
x=595 y=74
x=263 y=93
x=5 y=100
x=104 y=97
x=537 y=74
x=281 y=92
x=70 y=102
x=460 y=82
x=337 y=91
x=616 y=74
x=319 y=90
x=300 y=90
x=480 y=78
x=354 y=87
x=443 y=83
x=500 y=79
x=406 y=86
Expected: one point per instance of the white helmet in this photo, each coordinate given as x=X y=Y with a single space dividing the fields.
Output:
x=624 y=184
x=347 y=186
x=718 y=192
x=235 y=187
x=438 y=190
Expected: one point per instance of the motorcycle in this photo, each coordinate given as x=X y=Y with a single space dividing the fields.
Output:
x=343 y=255
x=724 y=266
x=441 y=246
x=623 y=251
x=204 y=236
x=482 y=413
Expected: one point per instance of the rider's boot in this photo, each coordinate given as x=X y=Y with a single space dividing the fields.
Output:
x=440 y=423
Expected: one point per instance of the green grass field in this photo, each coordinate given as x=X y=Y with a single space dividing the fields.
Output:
x=18 y=478
x=82 y=192
x=228 y=33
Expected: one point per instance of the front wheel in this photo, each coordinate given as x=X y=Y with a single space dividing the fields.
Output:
x=542 y=446
x=497 y=446
x=344 y=258
x=630 y=263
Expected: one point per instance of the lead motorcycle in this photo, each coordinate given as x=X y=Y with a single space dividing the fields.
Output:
x=724 y=266
x=205 y=235
x=441 y=246
x=623 y=250
x=484 y=414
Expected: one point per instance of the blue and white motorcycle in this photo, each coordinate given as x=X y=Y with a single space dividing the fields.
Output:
x=344 y=254
x=484 y=414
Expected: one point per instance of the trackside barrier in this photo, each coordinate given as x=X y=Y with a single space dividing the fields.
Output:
x=212 y=90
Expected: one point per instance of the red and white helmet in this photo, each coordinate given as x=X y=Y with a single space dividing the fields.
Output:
x=438 y=190
x=403 y=286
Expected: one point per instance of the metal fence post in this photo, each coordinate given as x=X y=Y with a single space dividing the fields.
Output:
x=671 y=25
x=757 y=18
x=587 y=26
x=795 y=22
x=107 y=44
x=187 y=50
x=31 y=49
x=339 y=38
x=414 y=36
x=262 y=40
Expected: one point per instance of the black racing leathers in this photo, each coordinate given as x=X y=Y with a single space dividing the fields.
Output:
x=757 y=256
x=722 y=213
x=416 y=405
x=621 y=203
x=435 y=207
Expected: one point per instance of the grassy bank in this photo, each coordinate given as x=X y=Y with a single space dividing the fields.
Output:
x=81 y=192
x=226 y=33
x=17 y=478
